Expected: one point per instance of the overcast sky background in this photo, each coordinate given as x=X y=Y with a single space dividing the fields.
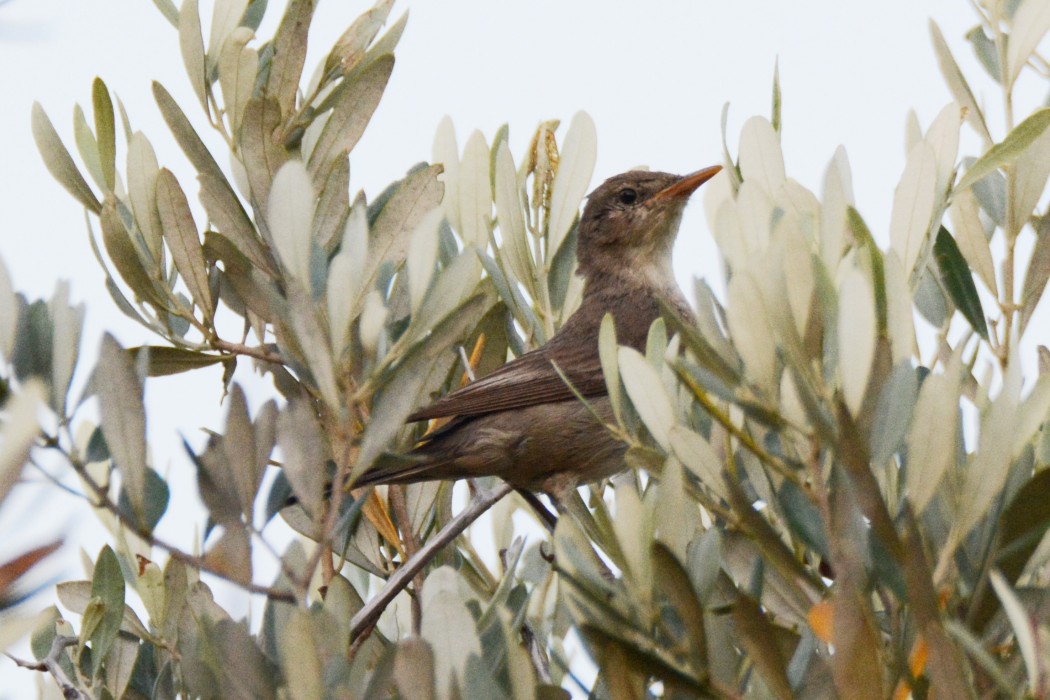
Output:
x=653 y=75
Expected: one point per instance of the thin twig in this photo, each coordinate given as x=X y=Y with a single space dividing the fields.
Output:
x=51 y=664
x=369 y=614
x=398 y=503
x=259 y=353
x=147 y=536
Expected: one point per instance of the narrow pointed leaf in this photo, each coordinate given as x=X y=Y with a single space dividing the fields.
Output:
x=578 y=155
x=58 y=161
x=181 y=234
x=123 y=419
x=958 y=280
x=1006 y=152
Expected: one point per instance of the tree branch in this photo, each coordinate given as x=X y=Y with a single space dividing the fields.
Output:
x=367 y=616
x=51 y=664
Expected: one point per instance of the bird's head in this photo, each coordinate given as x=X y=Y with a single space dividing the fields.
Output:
x=630 y=222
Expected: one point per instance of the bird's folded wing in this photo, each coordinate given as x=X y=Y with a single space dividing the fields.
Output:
x=527 y=381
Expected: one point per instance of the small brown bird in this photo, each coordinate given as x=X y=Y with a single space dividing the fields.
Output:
x=522 y=423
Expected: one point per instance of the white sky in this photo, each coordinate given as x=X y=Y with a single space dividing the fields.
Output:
x=653 y=75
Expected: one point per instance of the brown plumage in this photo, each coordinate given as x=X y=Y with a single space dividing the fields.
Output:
x=522 y=423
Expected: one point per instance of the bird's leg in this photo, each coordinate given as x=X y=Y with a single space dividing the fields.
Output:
x=548 y=518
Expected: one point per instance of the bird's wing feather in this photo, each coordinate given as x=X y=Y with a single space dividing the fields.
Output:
x=529 y=380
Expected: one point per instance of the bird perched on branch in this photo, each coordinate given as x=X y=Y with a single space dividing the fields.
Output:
x=522 y=422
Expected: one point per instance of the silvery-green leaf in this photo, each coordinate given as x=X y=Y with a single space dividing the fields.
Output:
x=448 y=627
x=417 y=195
x=750 y=329
x=648 y=395
x=124 y=253
x=18 y=432
x=1030 y=173
x=123 y=419
x=761 y=160
x=168 y=9
x=181 y=234
x=238 y=70
x=838 y=196
x=289 y=55
x=313 y=343
x=105 y=132
x=607 y=354
x=227 y=217
x=350 y=48
x=231 y=556
x=453 y=285
x=960 y=89
x=912 y=131
x=225 y=17
x=290 y=213
x=302 y=446
x=422 y=369
x=107 y=588
x=1030 y=24
x=634 y=534
x=301 y=658
x=352 y=107
x=1037 y=274
x=422 y=256
x=191 y=43
x=900 y=320
x=58 y=161
x=446 y=154
x=142 y=172
x=68 y=321
x=990 y=464
x=576 y=166
x=475 y=192
x=893 y=413
x=373 y=318
x=857 y=328
x=260 y=155
x=87 y=147
x=1006 y=152
x=514 y=252
x=970 y=235
x=700 y=458
x=1025 y=628
x=932 y=439
x=345 y=275
x=943 y=137
x=913 y=203
x=755 y=208
x=8 y=313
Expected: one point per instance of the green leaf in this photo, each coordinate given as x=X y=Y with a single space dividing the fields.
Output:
x=675 y=589
x=228 y=217
x=142 y=169
x=123 y=419
x=350 y=48
x=775 y=110
x=261 y=155
x=238 y=72
x=958 y=280
x=290 y=212
x=18 y=433
x=957 y=84
x=107 y=586
x=181 y=234
x=607 y=354
x=1030 y=23
x=87 y=147
x=913 y=203
x=289 y=55
x=105 y=131
x=1006 y=152
x=125 y=256
x=58 y=161
x=893 y=413
x=187 y=137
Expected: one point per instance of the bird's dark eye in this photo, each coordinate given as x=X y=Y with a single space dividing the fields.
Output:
x=627 y=196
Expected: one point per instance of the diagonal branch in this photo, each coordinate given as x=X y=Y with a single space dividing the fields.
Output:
x=367 y=616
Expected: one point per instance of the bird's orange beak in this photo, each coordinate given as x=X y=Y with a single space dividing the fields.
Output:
x=687 y=184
